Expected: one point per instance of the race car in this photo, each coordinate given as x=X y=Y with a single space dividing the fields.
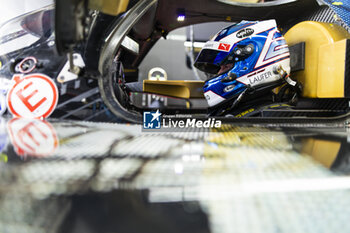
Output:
x=80 y=59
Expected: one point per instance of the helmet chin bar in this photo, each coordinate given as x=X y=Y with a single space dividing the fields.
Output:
x=254 y=96
x=251 y=94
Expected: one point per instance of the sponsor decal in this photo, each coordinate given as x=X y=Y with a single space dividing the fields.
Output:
x=32 y=137
x=260 y=77
x=242 y=114
x=245 y=33
x=32 y=96
x=224 y=47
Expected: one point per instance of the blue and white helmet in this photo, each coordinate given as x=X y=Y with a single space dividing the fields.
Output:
x=252 y=51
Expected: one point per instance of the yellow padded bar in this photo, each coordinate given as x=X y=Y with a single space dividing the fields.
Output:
x=324 y=58
x=176 y=88
x=111 y=7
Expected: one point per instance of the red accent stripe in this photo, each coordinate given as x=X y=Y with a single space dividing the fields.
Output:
x=251 y=75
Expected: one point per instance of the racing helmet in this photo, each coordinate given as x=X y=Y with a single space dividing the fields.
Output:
x=243 y=56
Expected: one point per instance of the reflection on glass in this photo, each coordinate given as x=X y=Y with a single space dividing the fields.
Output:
x=32 y=137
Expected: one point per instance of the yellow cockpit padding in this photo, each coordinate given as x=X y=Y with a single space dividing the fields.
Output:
x=176 y=88
x=111 y=7
x=325 y=50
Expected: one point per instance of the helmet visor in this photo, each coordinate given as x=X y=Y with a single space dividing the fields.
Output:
x=212 y=56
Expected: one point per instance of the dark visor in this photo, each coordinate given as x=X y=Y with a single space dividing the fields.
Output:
x=209 y=60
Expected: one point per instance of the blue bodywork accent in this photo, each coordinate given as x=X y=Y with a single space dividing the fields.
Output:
x=341 y=8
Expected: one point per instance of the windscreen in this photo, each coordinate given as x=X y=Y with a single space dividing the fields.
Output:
x=25 y=30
